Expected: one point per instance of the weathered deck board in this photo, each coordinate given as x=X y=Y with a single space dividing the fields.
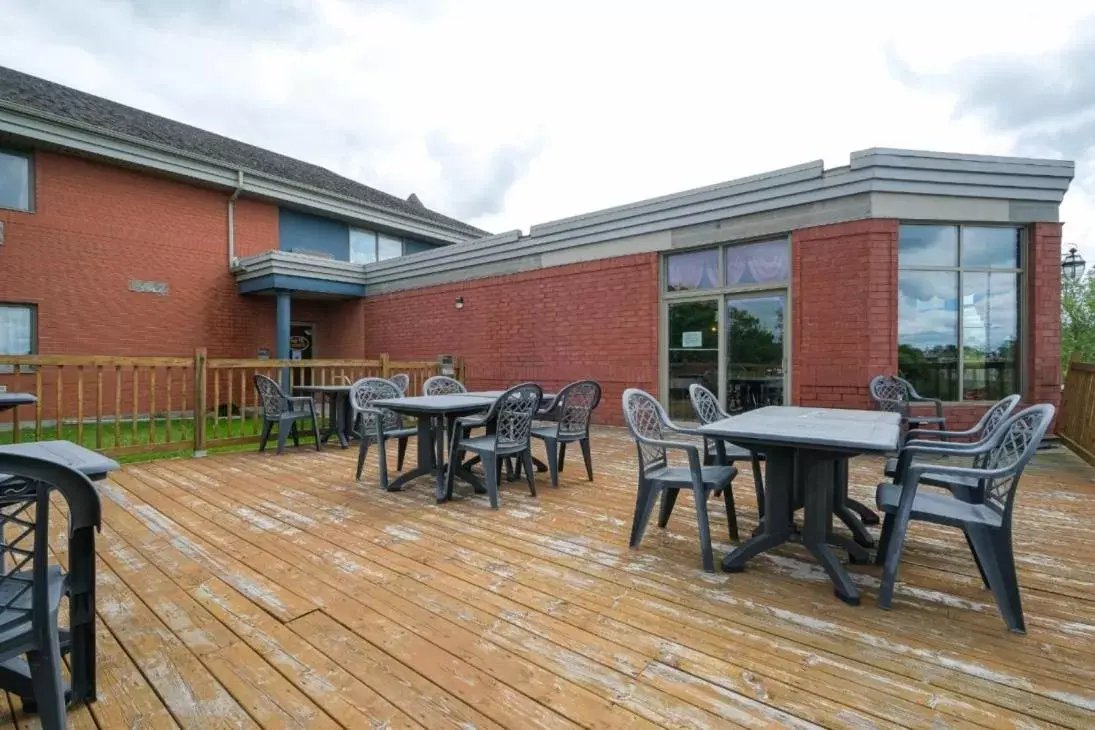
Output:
x=247 y=589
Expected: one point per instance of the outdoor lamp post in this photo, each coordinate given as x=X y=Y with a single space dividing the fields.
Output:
x=1072 y=265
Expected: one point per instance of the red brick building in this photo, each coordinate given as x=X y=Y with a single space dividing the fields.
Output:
x=126 y=233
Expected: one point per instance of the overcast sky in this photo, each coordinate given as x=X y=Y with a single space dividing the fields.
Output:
x=507 y=113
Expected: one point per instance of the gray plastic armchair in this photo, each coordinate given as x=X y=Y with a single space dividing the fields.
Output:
x=649 y=426
x=985 y=518
x=442 y=385
x=283 y=411
x=378 y=425
x=571 y=411
x=402 y=381
x=897 y=395
x=705 y=405
x=509 y=434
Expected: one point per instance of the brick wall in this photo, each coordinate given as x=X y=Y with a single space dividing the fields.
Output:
x=1044 y=314
x=594 y=320
x=843 y=311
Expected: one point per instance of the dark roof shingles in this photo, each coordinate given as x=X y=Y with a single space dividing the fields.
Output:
x=63 y=101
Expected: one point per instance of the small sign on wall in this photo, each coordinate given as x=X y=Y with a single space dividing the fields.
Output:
x=264 y=353
x=148 y=287
x=692 y=339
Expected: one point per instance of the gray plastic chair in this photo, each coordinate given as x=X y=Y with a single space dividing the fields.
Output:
x=894 y=394
x=509 y=434
x=378 y=425
x=442 y=385
x=31 y=589
x=283 y=411
x=985 y=518
x=705 y=405
x=571 y=411
x=402 y=381
x=648 y=423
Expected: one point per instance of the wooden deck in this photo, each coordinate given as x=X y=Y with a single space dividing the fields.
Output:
x=254 y=590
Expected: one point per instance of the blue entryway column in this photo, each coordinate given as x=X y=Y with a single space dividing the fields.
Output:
x=283 y=320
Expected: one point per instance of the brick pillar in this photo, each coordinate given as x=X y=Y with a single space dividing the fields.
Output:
x=1043 y=359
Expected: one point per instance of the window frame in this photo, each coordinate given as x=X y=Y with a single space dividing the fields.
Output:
x=721 y=287
x=32 y=307
x=376 y=244
x=29 y=156
x=1020 y=271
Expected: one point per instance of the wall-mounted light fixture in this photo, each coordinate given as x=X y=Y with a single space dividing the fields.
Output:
x=460 y=302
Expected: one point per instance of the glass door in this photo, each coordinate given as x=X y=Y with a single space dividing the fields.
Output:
x=755 y=351
x=693 y=352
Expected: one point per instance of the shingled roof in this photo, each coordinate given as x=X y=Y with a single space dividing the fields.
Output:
x=63 y=101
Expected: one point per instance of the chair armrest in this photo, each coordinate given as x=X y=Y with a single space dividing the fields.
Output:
x=472 y=421
x=937 y=447
x=302 y=400
x=915 y=433
x=919 y=399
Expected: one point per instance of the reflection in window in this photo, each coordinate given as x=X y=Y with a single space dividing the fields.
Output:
x=757 y=263
x=958 y=329
x=693 y=352
x=388 y=247
x=362 y=246
x=17 y=331
x=693 y=270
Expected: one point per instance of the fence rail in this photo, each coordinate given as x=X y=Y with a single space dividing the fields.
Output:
x=1076 y=422
x=133 y=405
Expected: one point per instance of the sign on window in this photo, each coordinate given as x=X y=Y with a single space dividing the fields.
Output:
x=692 y=339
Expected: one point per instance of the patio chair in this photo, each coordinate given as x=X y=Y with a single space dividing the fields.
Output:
x=31 y=588
x=402 y=381
x=648 y=423
x=378 y=425
x=283 y=411
x=570 y=410
x=897 y=395
x=985 y=518
x=705 y=405
x=442 y=385
x=509 y=434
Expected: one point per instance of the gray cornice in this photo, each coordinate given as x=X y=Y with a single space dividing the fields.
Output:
x=284 y=263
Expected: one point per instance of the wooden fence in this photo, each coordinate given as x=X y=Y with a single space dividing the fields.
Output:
x=1076 y=421
x=133 y=405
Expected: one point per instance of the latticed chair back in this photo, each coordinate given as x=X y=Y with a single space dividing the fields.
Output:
x=402 y=381
x=646 y=420
x=891 y=393
x=442 y=385
x=364 y=393
x=1019 y=437
x=705 y=404
x=992 y=420
x=574 y=406
x=273 y=399
x=516 y=411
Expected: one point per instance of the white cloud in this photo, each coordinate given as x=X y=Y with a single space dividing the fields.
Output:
x=517 y=113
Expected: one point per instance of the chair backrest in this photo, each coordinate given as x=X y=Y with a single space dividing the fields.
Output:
x=274 y=400
x=25 y=489
x=515 y=411
x=367 y=391
x=574 y=405
x=1018 y=439
x=995 y=416
x=646 y=420
x=705 y=404
x=891 y=393
x=442 y=385
x=402 y=381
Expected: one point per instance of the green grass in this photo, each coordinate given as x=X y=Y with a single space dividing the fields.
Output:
x=180 y=445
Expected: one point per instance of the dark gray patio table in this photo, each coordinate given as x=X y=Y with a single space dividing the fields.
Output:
x=11 y=400
x=435 y=415
x=339 y=412
x=80 y=641
x=817 y=440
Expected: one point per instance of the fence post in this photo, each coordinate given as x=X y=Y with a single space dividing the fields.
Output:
x=200 y=358
x=461 y=370
x=385 y=367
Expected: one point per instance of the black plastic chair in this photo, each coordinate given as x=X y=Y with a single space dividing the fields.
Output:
x=897 y=395
x=378 y=425
x=402 y=381
x=31 y=589
x=571 y=411
x=985 y=518
x=705 y=405
x=442 y=385
x=283 y=411
x=509 y=434
x=648 y=423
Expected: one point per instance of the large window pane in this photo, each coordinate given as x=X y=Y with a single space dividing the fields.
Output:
x=693 y=352
x=389 y=247
x=693 y=270
x=927 y=246
x=14 y=181
x=754 y=352
x=757 y=263
x=990 y=248
x=362 y=246
x=927 y=331
x=16 y=331
x=990 y=335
